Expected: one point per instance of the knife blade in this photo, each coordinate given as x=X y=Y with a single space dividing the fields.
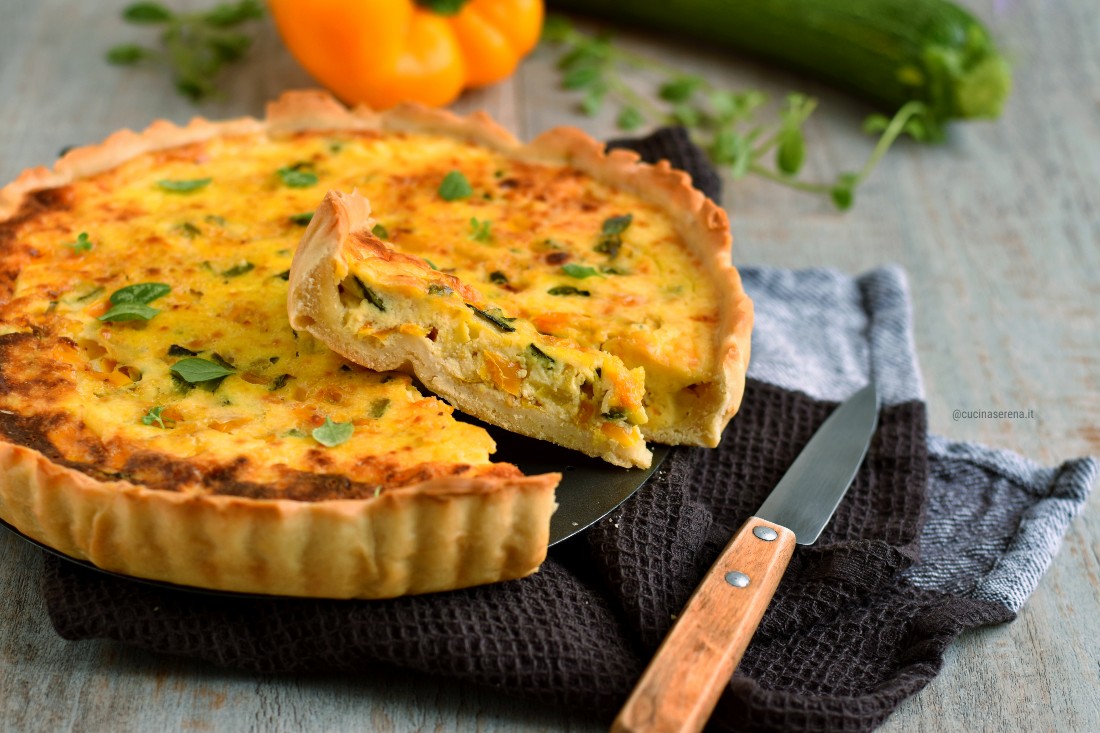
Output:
x=696 y=660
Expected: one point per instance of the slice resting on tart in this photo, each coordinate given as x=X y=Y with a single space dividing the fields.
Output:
x=159 y=416
x=386 y=310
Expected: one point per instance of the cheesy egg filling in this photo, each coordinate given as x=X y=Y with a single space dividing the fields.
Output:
x=199 y=367
x=395 y=301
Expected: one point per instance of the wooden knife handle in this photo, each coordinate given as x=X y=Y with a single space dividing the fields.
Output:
x=696 y=660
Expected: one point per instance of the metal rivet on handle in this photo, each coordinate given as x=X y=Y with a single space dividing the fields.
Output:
x=765 y=533
x=737 y=579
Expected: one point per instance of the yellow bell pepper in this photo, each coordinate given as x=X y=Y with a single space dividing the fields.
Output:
x=381 y=52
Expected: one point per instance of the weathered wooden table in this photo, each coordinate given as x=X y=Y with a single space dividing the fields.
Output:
x=999 y=230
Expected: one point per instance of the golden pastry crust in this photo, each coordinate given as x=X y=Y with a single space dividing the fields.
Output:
x=437 y=535
x=431 y=528
x=425 y=326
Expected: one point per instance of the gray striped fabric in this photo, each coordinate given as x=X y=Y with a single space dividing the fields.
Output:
x=825 y=333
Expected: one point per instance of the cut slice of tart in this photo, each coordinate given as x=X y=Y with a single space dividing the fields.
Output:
x=391 y=311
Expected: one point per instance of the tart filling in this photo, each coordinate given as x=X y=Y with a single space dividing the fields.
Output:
x=396 y=312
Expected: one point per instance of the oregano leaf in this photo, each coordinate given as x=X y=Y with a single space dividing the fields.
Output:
x=454 y=187
x=630 y=118
x=194 y=370
x=791 y=151
x=129 y=312
x=140 y=293
x=332 y=434
x=146 y=13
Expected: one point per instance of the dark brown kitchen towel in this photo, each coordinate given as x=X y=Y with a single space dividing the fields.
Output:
x=859 y=622
x=570 y=636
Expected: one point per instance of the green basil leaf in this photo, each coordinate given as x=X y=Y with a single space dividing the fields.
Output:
x=380 y=231
x=140 y=293
x=455 y=187
x=184 y=186
x=129 y=312
x=301 y=219
x=332 y=434
x=193 y=370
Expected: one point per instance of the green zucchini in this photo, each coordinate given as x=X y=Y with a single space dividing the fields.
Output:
x=888 y=51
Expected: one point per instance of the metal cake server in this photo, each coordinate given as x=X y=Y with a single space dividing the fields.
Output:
x=682 y=683
x=590 y=488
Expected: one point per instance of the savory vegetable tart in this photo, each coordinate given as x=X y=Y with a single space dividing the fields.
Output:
x=160 y=417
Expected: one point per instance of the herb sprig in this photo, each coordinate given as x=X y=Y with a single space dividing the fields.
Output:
x=154 y=415
x=193 y=46
x=82 y=244
x=481 y=230
x=724 y=123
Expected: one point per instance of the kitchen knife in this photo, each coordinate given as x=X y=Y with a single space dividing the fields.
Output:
x=682 y=683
